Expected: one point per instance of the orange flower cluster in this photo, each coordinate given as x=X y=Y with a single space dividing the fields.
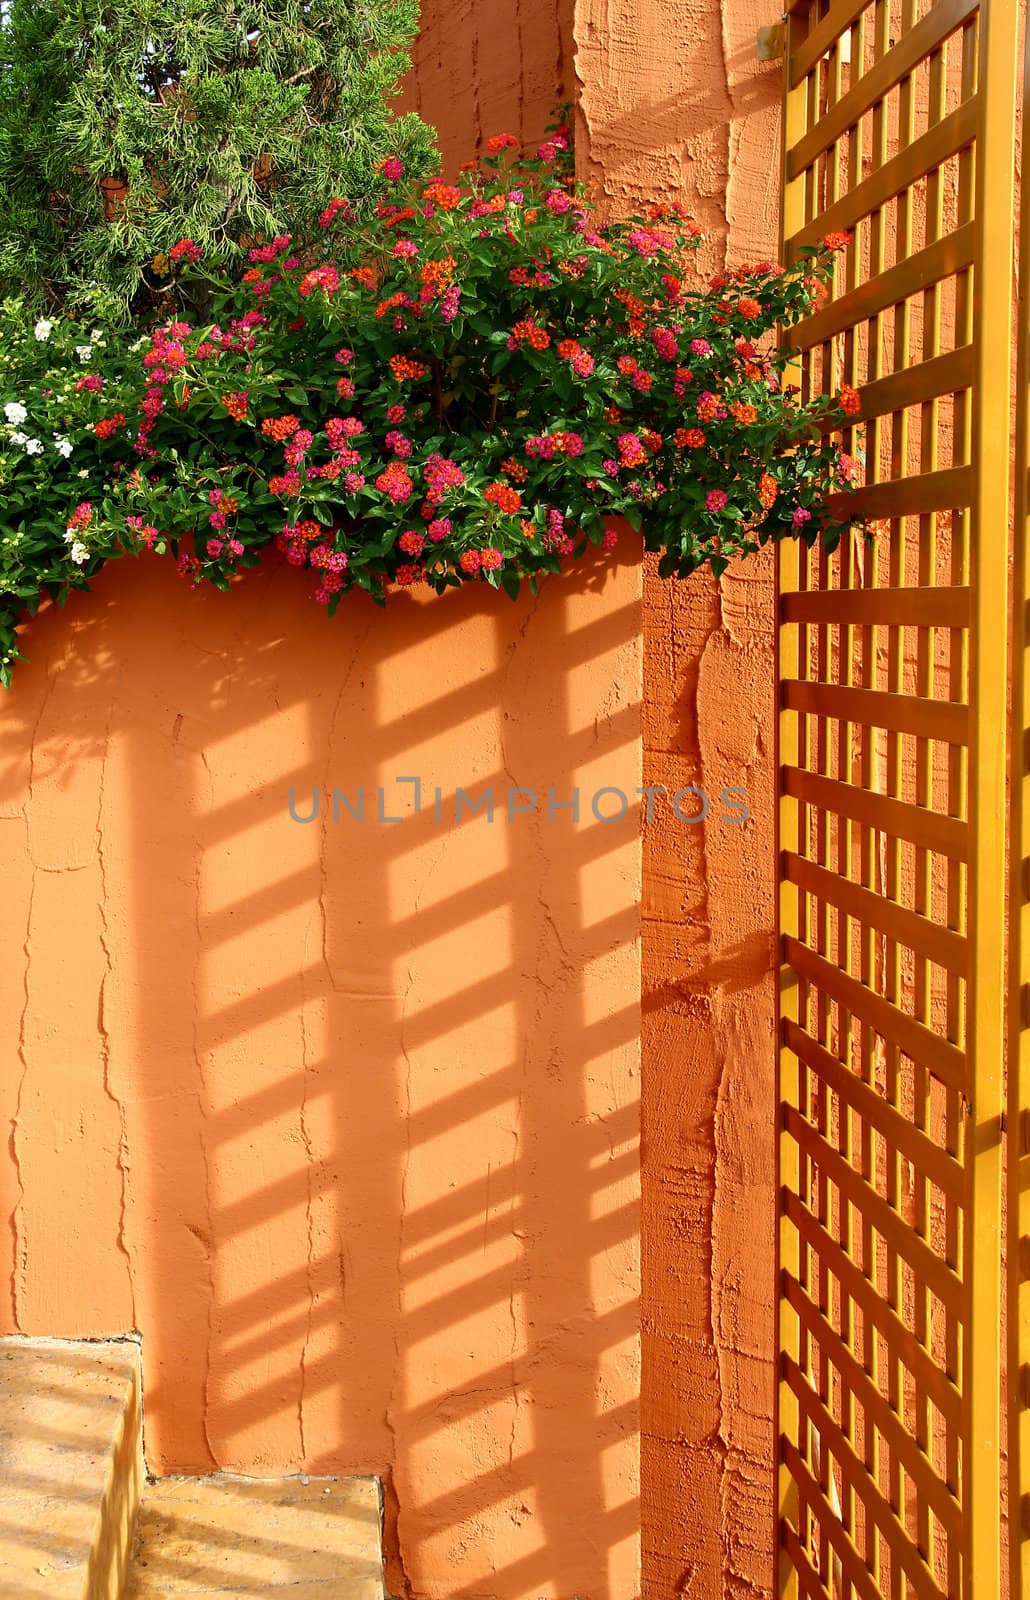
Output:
x=746 y=307
x=107 y=425
x=405 y=369
x=526 y=329
x=503 y=497
x=280 y=428
x=634 y=311
x=743 y=413
x=365 y=276
x=688 y=438
x=439 y=272
x=837 y=240
x=444 y=195
x=236 y=404
x=405 y=214
x=850 y=400
x=514 y=469
x=500 y=141
x=392 y=302
x=767 y=490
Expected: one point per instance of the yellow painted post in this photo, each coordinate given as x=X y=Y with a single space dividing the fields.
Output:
x=788 y=1171
x=992 y=336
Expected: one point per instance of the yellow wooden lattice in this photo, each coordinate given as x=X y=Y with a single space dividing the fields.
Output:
x=899 y=127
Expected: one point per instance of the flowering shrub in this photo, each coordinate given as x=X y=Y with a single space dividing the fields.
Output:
x=473 y=390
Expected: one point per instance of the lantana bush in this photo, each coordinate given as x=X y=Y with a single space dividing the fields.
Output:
x=476 y=388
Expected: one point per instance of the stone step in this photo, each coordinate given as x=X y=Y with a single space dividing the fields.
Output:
x=70 y=1467
x=225 y=1536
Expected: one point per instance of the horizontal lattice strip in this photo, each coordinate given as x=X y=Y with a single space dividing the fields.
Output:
x=946 y=138
x=824 y=35
x=892 y=819
x=925 y=938
x=894 y=1026
x=885 y=608
x=914 y=496
x=885 y=74
x=947 y=374
x=928 y=1159
x=928 y=266
x=945 y=720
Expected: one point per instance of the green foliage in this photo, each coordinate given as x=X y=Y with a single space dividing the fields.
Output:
x=125 y=128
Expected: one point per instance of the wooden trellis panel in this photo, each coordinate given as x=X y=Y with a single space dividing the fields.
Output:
x=899 y=126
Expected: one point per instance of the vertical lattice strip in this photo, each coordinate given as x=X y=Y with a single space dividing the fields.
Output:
x=1018 y=1253
x=899 y=125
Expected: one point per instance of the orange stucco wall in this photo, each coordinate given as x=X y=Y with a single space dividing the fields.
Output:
x=674 y=104
x=345 y=1116
x=341 y=1115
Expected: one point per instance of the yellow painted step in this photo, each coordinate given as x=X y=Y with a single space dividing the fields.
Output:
x=70 y=1467
x=223 y=1536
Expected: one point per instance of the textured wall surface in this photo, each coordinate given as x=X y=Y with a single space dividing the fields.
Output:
x=342 y=1116
x=490 y=66
x=673 y=103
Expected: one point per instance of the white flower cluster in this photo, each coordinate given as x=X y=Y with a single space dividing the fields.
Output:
x=79 y=552
x=16 y=414
x=43 y=330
